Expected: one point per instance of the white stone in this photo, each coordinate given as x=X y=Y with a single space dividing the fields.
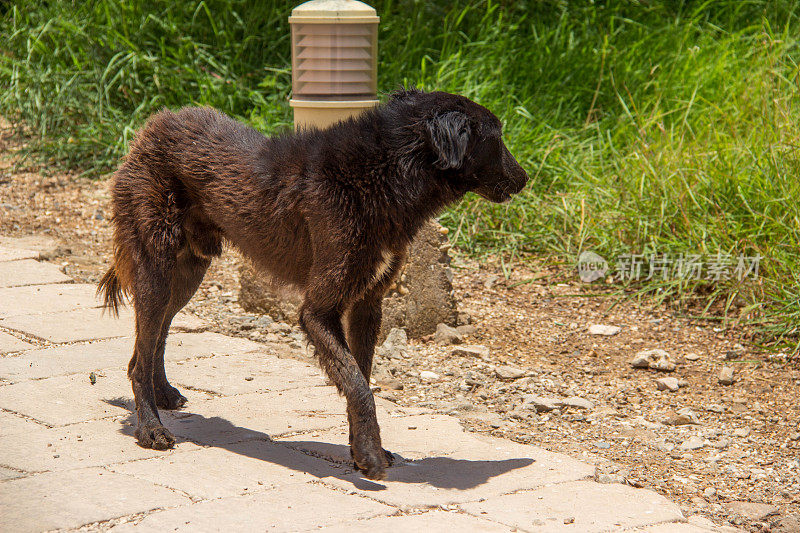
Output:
x=507 y=372
x=726 y=375
x=670 y=384
x=601 y=329
x=692 y=443
x=472 y=350
x=577 y=402
x=427 y=375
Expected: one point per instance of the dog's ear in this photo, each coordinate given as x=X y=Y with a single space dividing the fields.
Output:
x=449 y=136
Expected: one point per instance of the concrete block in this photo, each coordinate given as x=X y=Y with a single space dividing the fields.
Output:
x=87 y=444
x=422 y=523
x=584 y=506
x=236 y=469
x=88 y=324
x=460 y=467
x=71 y=399
x=115 y=354
x=30 y=272
x=46 y=298
x=288 y=508
x=9 y=343
x=60 y=500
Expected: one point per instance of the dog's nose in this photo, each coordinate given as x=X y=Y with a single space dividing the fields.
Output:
x=514 y=171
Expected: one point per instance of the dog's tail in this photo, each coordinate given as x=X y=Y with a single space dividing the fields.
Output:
x=115 y=284
x=111 y=290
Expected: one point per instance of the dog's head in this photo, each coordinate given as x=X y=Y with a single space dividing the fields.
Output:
x=465 y=143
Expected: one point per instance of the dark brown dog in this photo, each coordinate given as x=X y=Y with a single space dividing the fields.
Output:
x=329 y=212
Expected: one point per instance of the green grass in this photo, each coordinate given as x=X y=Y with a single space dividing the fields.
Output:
x=659 y=126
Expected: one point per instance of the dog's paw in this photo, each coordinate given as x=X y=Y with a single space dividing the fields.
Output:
x=389 y=457
x=155 y=437
x=372 y=464
x=168 y=397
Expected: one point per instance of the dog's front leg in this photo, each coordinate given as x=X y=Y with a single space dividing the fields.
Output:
x=324 y=328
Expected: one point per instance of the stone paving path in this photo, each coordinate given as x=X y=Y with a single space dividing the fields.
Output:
x=262 y=443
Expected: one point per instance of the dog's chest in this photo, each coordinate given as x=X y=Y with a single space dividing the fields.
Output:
x=383 y=267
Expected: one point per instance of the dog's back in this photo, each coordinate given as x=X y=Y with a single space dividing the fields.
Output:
x=195 y=177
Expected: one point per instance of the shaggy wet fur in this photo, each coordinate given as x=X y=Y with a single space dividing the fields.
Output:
x=329 y=212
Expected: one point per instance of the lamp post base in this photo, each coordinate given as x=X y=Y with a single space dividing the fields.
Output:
x=324 y=113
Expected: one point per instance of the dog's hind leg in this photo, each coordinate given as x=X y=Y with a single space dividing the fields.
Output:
x=187 y=277
x=151 y=301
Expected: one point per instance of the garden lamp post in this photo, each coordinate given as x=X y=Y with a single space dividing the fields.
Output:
x=334 y=61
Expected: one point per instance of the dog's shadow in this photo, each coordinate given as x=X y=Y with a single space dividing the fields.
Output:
x=439 y=472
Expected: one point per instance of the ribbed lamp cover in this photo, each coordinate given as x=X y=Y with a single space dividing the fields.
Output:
x=334 y=50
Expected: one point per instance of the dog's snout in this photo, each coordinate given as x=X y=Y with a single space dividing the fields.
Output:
x=515 y=173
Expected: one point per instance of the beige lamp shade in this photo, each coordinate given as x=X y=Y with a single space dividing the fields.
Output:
x=334 y=60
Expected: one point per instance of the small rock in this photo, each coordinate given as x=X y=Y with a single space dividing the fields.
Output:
x=609 y=478
x=490 y=281
x=656 y=359
x=680 y=419
x=447 y=335
x=691 y=356
x=670 y=384
x=709 y=492
x=788 y=524
x=692 y=443
x=508 y=373
x=715 y=408
x=428 y=376
x=721 y=444
x=575 y=401
x=602 y=445
x=540 y=403
x=753 y=511
x=467 y=329
x=726 y=375
x=391 y=384
x=472 y=350
x=248 y=378
x=742 y=432
x=396 y=337
x=600 y=329
x=569 y=520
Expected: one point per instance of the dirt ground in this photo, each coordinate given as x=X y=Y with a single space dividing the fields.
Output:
x=708 y=446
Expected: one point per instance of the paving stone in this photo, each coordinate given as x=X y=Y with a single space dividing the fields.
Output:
x=592 y=506
x=411 y=437
x=242 y=374
x=673 y=527
x=115 y=354
x=33 y=243
x=46 y=298
x=88 y=324
x=30 y=272
x=9 y=343
x=81 y=445
x=421 y=523
x=455 y=468
x=295 y=507
x=259 y=415
x=70 y=399
x=234 y=470
x=11 y=424
x=7 y=473
x=13 y=254
x=70 y=499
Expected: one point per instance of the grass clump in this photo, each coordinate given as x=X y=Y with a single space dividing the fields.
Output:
x=647 y=127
